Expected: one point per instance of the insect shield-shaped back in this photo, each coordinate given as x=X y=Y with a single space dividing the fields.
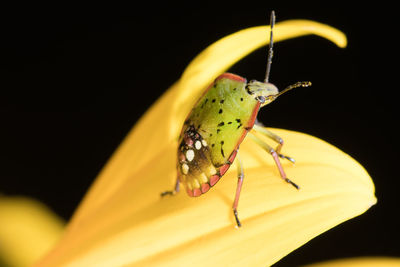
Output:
x=213 y=132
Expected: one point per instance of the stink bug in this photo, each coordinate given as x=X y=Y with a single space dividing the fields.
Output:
x=216 y=126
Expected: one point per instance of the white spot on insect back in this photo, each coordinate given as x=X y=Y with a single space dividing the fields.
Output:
x=197 y=145
x=190 y=155
x=204 y=142
x=185 y=168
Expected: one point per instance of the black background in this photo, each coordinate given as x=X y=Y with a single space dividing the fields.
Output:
x=73 y=83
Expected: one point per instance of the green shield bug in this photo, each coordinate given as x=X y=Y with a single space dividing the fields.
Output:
x=214 y=129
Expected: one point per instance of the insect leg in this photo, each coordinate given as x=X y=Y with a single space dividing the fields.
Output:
x=238 y=188
x=274 y=137
x=275 y=156
x=172 y=192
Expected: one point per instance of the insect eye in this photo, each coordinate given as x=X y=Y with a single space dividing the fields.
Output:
x=261 y=98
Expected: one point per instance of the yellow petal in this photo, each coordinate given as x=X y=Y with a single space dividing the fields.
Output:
x=27 y=230
x=123 y=220
x=360 y=262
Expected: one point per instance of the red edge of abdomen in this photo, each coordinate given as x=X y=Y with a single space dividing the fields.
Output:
x=231 y=76
x=254 y=116
x=226 y=75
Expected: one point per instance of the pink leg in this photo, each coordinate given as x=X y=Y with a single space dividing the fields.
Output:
x=280 y=168
x=275 y=156
x=274 y=137
x=238 y=189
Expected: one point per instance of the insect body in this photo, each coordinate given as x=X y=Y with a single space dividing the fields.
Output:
x=214 y=129
x=216 y=126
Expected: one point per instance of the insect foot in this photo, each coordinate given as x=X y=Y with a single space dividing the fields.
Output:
x=287 y=157
x=292 y=183
x=163 y=194
x=237 y=218
x=171 y=192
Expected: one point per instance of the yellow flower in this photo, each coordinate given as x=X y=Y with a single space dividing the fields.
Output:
x=122 y=220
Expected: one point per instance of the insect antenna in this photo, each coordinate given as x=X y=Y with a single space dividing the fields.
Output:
x=290 y=87
x=270 y=49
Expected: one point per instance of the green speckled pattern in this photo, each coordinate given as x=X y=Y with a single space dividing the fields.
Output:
x=221 y=116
